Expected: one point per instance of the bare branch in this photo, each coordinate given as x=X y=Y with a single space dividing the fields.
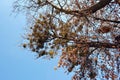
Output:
x=98 y=6
x=84 y=12
x=101 y=45
x=107 y=20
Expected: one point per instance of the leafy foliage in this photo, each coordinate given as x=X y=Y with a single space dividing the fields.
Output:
x=84 y=31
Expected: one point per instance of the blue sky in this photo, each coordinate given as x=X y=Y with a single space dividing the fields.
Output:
x=15 y=62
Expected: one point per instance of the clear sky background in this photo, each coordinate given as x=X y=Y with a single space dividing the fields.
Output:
x=17 y=63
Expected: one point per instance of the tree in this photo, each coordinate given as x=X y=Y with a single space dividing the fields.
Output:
x=85 y=31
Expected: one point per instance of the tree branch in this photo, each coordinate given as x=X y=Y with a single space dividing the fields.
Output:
x=98 y=6
x=82 y=13
x=101 y=44
x=107 y=20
